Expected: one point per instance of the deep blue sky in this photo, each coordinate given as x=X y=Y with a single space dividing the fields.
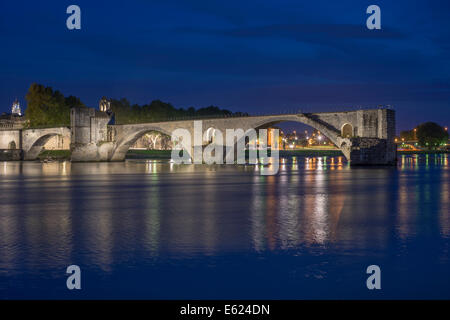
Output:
x=254 y=56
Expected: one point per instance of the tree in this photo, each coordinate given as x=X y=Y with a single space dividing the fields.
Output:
x=157 y=110
x=46 y=107
x=430 y=135
x=408 y=135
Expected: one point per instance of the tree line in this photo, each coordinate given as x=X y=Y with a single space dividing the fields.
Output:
x=48 y=107
x=157 y=110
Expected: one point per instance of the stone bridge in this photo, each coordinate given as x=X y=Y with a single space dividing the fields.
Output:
x=364 y=136
x=29 y=141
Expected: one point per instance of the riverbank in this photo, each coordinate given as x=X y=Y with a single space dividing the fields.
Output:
x=54 y=155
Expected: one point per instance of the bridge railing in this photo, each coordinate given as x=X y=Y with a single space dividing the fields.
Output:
x=46 y=126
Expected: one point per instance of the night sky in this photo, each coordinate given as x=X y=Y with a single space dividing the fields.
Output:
x=253 y=56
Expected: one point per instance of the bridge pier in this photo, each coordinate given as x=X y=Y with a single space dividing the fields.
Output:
x=372 y=151
x=91 y=152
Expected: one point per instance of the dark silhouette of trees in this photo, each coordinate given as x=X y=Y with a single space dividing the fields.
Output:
x=157 y=110
x=430 y=135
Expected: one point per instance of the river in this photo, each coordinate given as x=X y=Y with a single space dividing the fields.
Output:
x=150 y=229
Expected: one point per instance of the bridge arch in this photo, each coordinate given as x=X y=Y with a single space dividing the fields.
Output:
x=33 y=140
x=342 y=143
x=36 y=147
x=329 y=133
x=128 y=140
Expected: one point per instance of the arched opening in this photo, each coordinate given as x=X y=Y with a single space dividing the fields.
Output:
x=347 y=130
x=141 y=143
x=12 y=145
x=152 y=140
x=307 y=137
x=38 y=145
x=301 y=133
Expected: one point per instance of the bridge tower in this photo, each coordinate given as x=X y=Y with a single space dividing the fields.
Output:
x=89 y=134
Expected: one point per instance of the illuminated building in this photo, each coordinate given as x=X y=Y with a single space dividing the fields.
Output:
x=104 y=104
x=15 y=110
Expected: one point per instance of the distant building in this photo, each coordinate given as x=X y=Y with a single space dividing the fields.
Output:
x=15 y=110
x=280 y=137
x=13 y=120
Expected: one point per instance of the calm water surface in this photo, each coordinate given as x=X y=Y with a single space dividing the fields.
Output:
x=155 y=230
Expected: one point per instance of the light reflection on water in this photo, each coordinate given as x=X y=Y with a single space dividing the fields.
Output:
x=155 y=214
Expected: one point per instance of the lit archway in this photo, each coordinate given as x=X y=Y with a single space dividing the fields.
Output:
x=347 y=130
x=332 y=134
x=153 y=140
x=128 y=141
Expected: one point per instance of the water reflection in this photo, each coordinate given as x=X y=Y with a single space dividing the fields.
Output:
x=109 y=213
